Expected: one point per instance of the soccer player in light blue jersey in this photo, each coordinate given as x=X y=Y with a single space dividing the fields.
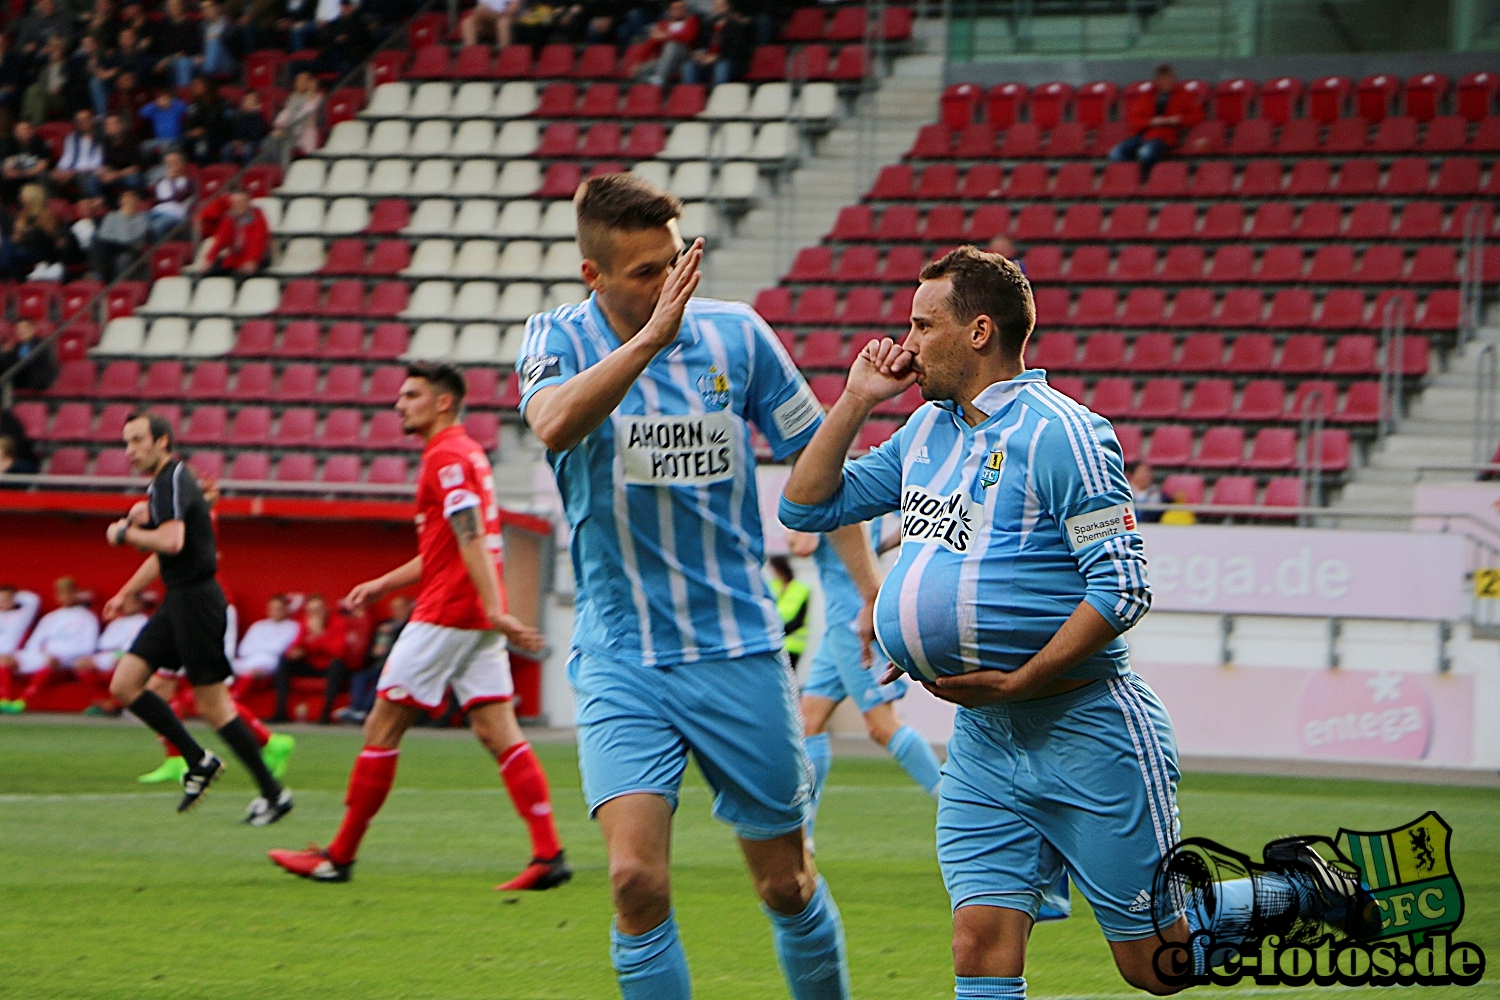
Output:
x=644 y=397
x=1020 y=566
x=843 y=668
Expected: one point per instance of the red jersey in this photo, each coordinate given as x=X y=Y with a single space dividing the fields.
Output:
x=455 y=476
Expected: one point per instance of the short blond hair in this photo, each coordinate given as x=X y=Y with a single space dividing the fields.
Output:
x=619 y=202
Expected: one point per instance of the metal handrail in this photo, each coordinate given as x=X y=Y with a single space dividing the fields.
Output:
x=1486 y=380
x=1393 y=348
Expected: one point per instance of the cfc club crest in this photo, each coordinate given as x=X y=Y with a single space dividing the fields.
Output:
x=990 y=474
x=713 y=386
x=1409 y=873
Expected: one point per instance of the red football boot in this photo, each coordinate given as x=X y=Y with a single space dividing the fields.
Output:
x=539 y=875
x=312 y=863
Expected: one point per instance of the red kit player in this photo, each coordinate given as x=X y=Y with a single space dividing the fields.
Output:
x=456 y=639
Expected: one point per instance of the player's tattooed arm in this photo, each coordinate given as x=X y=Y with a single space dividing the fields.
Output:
x=466 y=526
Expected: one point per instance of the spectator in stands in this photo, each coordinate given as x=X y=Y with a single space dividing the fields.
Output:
x=296 y=124
x=321 y=640
x=726 y=55
x=129 y=96
x=60 y=638
x=15 y=75
x=221 y=43
x=247 y=130
x=77 y=170
x=120 y=239
x=172 y=193
x=43 y=368
x=1144 y=491
x=24 y=460
x=165 y=114
x=49 y=95
x=263 y=646
x=179 y=46
x=345 y=41
x=24 y=157
x=103 y=68
x=670 y=43
x=1158 y=129
x=44 y=23
x=17 y=612
x=490 y=17
x=362 y=682
x=205 y=127
x=135 y=59
x=240 y=244
x=8 y=461
x=299 y=22
x=121 y=168
x=40 y=245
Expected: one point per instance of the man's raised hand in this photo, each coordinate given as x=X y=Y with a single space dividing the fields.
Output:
x=681 y=282
x=882 y=371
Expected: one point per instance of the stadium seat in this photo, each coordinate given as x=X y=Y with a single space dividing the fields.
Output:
x=1233 y=491
x=1221 y=448
x=1161 y=399
x=1153 y=352
x=1251 y=353
x=1273 y=449
x=1170 y=446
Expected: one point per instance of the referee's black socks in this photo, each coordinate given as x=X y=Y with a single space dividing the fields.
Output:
x=242 y=741
x=156 y=713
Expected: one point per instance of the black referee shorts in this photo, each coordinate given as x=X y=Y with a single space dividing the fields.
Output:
x=187 y=633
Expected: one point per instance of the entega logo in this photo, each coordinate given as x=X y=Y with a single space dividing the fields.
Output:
x=1377 y=909
x=927 y=517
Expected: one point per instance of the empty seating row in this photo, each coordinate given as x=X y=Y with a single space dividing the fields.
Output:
x=40 y=301
x=475 y=343
x=1232 y=491
x=1277 y=101
x=441 y=217
x=383 y=470
x=1239 y=308
x=1252 y=354
x=431 y=258
x=485 y=178
x=691 y=140
x=346 y=298
x=1407 y=177
x=847 y=24
x=256 y=382
x=1261 y=401
x=1232 y=263
x=1315 y=221
x=815 y=103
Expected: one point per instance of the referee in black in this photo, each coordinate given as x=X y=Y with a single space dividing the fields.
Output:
x=187 y=630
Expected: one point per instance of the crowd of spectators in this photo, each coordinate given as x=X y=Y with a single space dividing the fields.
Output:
x=298 y=637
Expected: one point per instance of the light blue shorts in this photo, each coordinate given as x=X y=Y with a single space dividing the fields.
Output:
x=739 y=718
x=838 y=673
x=1085 y=781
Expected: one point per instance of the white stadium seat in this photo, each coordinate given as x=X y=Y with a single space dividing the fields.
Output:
x=774 y=141
x=819 y=101
x=476 y=259
x=432 y=177
x=475 y=177
x=431 y=342
x=433 y=217
x=303 y=255
x=432 y=258
x=431 y=138
x=686 y=141
x=476 y=300
x=168 y=296
x=521 y=217
x=520 y=301
x=692 y=180
x=430 y=299
x=476 y=217
x=123 y=335
x=212 y=297
x=347 y=216
x=474 y=138
x=167 y=336
x=303 y=215
x=305 y=176
x=732 y=141
x=346 y=138
x=517 y=99
x=517 y=138
x=727 y=101
x=389 y=100
x=562 y=261
x=565 y=293
x=257 y=297
x=560 y=221
x=390 y=177
x=654 y=172
x=739 y=181
x=697 y=220
x=510 y=344
x=519 y=259
x=347 y=177
x=210 y=338
x=431 y=100
x=388 y=139
x=519 y=179
x=772 y=101
x=477 y=342
x=475 y=99
x=271 y=209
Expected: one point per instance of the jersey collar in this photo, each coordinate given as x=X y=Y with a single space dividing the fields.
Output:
x=687 y=333
x=994 y=398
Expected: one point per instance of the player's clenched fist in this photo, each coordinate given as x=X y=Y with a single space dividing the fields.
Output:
x=884 y=369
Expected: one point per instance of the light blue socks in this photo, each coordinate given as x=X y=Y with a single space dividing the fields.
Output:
x=988 y=987
x=913 y=753
x=820 y=753
x=651 y=966
x=810 y=947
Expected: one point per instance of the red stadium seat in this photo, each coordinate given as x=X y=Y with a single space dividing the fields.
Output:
x=341 y=429
x=250 y=466
x=1138 y=263
x=1161 y=399
x=295 y=469
x=206 y=425
x=1103 y=352
x=1153 y=352
x=1053 y=351
x=1361 y=405
x=774 y=305
x=1357 y=177
x=1291 y=309
x=1144 y=307
x=805 y=25
x=1278 y=99
x=1223 y=221
x=299 y=340
x=163 y=380
x=388 y=470
x=1302 y=354
x=299 y=383
x=1370 y=220
x=120 y=379
x=475 y=62
x=981 y=182
x=1222 y=448
x=1202 y=352
x=1211 y=399
x=1192 y=308
x=1298 y=137
x=1022 y=140
x=1131 y=221
x=298 y=427
x=251 y=427
x=1029 y=180
x=431 y=62
x=1320 y=220
x=1079 y=222
x=345 y=298
x=344 y=384
x=1342 y=308
x=1251 y=138
x=1374 y=96
x=345 y=256
x=76 y=378
x=385 y=432
x=1231 y=264
x=1113 y=398
x=854 y=222
x=1176 y=221
x=71 y=422
x=1274 y=449
x=933 y=142
x=1385 y=264
x=1395 y=135
x=1326 y=97
x=1170 y=446
x=820 y=349
x=253 y=381
x=1250 y=353
x=1242 y=307
x=862 y=307
x=389 y=217
x=847 y=24
x=1094 y=103
x=1431 y=264
x=1069 y=139
x=1049 y=104
x=894 y=182
x=938 y=182
x=597 y=62
x=1077 y=180
x=897 y=223
x=642 y=100
x=767 y=62
x=1052 y=306
x=1087 y=264
x=1332 y=263
x=1262 y=400
x=987 y=222
x=1002 y=104
x=958 y=104
x=944 y=223
x=1071 y=387
x=902 y=264
x=1440 y=311
x=555 y=60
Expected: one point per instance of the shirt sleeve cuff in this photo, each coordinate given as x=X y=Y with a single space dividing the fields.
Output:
x=810 y=517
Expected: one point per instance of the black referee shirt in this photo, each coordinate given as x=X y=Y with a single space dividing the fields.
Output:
x=174 y=496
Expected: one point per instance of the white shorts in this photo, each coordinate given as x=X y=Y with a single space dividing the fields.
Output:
x=29 y=661
x=427 y=659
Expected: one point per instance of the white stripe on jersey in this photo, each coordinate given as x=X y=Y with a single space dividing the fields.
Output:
x=1031 y=509
x=682 y=611
x=1095 y=481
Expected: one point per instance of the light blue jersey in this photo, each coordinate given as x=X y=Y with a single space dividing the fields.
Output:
x=667 y=548
x=1005 y=528
x=841 y=600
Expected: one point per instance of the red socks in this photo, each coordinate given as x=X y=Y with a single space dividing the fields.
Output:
x=527 y=784
x=369 y=783
x=262 y=734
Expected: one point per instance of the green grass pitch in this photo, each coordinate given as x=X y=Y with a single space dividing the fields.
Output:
x=108 y=893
